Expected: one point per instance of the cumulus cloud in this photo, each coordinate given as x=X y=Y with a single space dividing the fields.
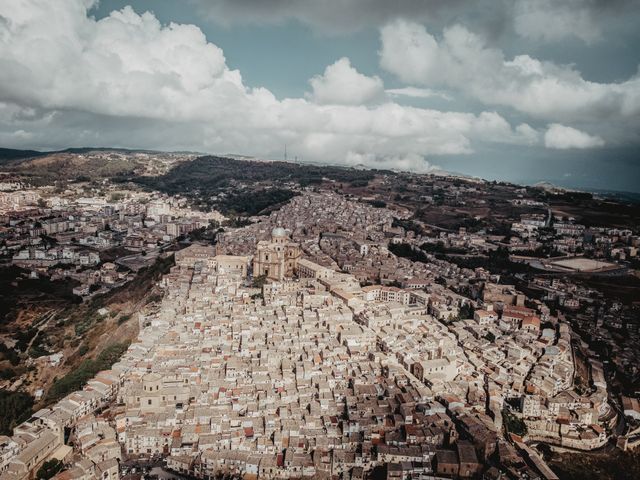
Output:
x=343 y=84
x=545 y=20
x=563 y=137
x=550 y=20
x=462 y=60
x=67 y=79
x=415 y=92
x=339 y=16
x=556 y=20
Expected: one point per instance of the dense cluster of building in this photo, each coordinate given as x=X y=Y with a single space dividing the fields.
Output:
x=66 y=234
x=343 y=361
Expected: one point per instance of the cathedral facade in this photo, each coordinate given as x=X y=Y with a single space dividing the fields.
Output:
x=278 y=258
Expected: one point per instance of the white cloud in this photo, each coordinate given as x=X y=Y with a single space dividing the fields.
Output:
x=339 y=16
x=553 y=20
x=461 y=60
x=342 y=84
x=563 y=137
x=546 y=20
x=415 y=92
x=126 y=80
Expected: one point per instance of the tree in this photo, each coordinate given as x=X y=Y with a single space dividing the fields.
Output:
x=466 y=311
x=259 y=281
x=49 y=469
x=513 y=424
x=16 y=408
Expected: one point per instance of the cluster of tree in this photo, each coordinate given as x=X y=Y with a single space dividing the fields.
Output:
x=17 y=290
x=78 y=377
x=254 y=202
x=407 y=251
x=497 y=261
x=49 y=469
x=7 y=373
x=206 y=234
x=466 y=311
x=377 y=203
x=10 y=354
x=237 y=222
x=439 y=247
x=409 y=225
x=207 y=177
x=16 y=407
x=513 y=424
x=259 y=281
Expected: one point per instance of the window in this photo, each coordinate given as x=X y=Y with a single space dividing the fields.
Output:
x=149 y=401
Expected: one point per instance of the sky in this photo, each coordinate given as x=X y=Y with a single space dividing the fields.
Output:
x=520 y=90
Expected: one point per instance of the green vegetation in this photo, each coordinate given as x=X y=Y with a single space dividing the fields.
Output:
x=37 y=351
x=86 y=323
x=23 y=337
x=408 y=225
x=77 y=378
x=10 y=155
x=16 y=291
x=206 y=234
x=257 y=202
x=407 y=251
x=7 y=374
x=155 y=298
x=439 y=247
x=245 y=187
x=16 y=408
x=49 y=469
x=259 y=281
x=237 y=222
x=377 y=203
x=513 y=424
x=496 y=262
x=466 y=311
x=9 y=354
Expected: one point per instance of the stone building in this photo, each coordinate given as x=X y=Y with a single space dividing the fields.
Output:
x=278 y=258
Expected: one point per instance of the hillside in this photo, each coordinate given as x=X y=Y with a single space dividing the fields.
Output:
x=9 y=155
x=89 y=338
x=247 y=187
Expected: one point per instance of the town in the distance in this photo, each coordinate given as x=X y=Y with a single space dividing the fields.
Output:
x=172 y=316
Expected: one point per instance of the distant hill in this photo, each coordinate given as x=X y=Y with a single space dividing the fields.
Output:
x=247 y=187
x=79 y=163
x=11 y=154
x=8 y=155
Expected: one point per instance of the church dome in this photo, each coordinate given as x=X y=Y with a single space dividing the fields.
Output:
x=278 y=232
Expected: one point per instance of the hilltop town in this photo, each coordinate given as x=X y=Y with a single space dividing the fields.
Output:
x=347 y=324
